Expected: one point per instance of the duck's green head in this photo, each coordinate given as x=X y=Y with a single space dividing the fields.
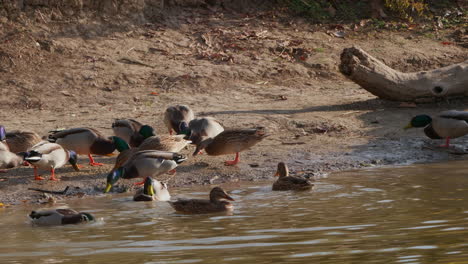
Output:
x=2 y=133
x=146 y=131
x=419 y=121
x=87 y=217
x=113 y=177
x=73 y=160
x=148 y=188
x=120 y=144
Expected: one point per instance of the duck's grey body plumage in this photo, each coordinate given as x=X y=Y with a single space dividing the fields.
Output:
x=203 y=128
x=450 y=123
x=61 y=216
x=83 y=141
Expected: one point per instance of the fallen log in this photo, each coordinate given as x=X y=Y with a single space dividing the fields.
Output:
x=387 y=83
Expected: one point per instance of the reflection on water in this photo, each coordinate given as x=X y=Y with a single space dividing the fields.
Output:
x=415 y=214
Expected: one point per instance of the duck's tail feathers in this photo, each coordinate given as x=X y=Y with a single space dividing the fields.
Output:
x=33 y=156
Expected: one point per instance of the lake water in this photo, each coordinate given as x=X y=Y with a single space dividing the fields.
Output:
x=412 y=214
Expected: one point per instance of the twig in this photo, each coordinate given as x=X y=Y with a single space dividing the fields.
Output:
x=51 y=192
x=132 y=61
x=129 y=50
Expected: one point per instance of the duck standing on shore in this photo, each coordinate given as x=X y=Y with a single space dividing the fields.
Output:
x=177 y=118
x=85 y=141
x=21 y=141
x=8 y=159
x=446 y=124
x=216 y=203
x=231 y=141
x=202 y=128
x=46 y=155
x=286 y=182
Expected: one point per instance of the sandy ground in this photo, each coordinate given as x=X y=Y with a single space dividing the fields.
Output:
x=236 y=68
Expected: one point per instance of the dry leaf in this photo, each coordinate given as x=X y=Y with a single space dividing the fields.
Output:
x=154 y=93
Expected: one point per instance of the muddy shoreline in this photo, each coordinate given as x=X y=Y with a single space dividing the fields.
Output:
x=258 y=69
x=381 y=153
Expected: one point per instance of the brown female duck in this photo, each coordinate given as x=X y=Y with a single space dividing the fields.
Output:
x=216 y=203
x=286 y=182
x=21 y=141
x=231 y=141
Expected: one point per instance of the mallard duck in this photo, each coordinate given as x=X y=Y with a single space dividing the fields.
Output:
x=21 y=141
x=164 y=143
x=216 y=203
x=46 y=155
x=203 y=128
x=8 y=159
x=60 y=216
x=133 y=132
x=230 y=142
x=142 y=164
x=125 y=128
x=152 y=190
x=286 y=182
x=446 y=124
x=177 y=118
x=86 y=141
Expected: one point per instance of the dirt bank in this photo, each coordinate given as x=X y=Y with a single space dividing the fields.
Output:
x=245 y=69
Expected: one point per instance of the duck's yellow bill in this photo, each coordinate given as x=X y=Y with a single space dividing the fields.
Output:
x=110 y=154
x=108 y=187
x=408 y=126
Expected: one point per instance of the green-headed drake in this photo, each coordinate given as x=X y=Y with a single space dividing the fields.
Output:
x=60 y=216
x=146 y=163
x=152 y=190
x=86 y=141
x=446 y=124
x=125 y=128
x=50 y=156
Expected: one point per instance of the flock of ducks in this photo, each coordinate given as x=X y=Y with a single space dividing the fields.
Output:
x=143 y=154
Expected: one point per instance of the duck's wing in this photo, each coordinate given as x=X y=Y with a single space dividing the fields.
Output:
x=67 y=211
x=64 y=133
x=45 y=148
x=297 y=180
x=128 y=123
x=190 y=205
x=156 y=154
x=454 y=114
